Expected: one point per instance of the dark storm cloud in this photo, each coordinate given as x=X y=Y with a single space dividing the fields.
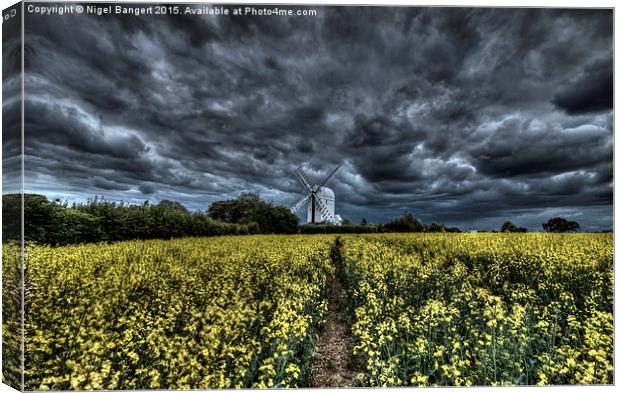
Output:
x=523 y=147
x=105 y=184
x=146 y=188
x=462 y=116
x=591 y=92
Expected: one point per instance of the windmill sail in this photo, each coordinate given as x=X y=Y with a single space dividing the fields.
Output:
x=300 y=203
x=303 y=178
x=329 y=176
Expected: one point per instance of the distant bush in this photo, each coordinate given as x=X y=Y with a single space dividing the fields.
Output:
x=314 y=229
x=434 y=227
x=406 y=223
x=510 y=227
x=410 y=223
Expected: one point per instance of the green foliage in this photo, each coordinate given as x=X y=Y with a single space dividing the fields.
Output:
x=510 y=227
x=249 y=209
x=406 y=223
x=11 y=217
x=434 y=227
x=50 y=222
x=409 y=223
x=46 y=221
x=55 y=223
x=559 y=224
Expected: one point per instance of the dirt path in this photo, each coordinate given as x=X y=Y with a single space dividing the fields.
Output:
x=334 y=365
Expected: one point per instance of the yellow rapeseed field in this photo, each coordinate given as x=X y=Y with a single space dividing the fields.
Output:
x=482 y=309
x=245 y=311
x=191 y=313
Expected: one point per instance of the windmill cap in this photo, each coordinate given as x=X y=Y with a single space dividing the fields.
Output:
x=325 y=192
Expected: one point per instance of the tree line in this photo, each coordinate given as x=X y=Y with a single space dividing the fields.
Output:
x=99 y=220
x=555 y=224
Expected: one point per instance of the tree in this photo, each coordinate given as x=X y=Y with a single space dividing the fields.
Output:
x=276 y=219
x=249 y=209
x=559 y=224
x=508 y=227
x=364 y=222
x=406 y=223
x=434 y=227
x=173 y=205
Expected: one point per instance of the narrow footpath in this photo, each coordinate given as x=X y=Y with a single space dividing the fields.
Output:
x=334 y=365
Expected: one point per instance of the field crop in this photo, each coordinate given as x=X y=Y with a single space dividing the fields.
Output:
x=245 y=311
x=190 y=313
x=11 y=315
x=482 y=309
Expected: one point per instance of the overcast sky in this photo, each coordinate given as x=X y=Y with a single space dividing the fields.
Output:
x=467 y=117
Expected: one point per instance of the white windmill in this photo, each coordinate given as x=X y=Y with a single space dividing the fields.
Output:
x=321 y=200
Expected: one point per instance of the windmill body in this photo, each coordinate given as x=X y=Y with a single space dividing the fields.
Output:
x=326 y=195
x=320 y=199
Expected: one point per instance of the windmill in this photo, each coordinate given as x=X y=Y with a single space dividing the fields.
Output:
x=320 y=199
